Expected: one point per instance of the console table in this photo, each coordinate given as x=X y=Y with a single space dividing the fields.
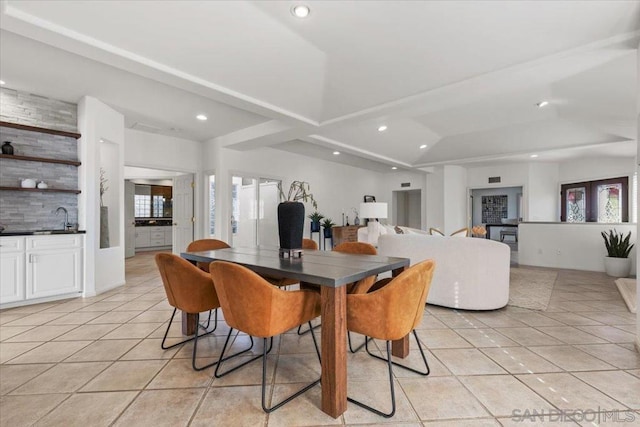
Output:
x=347 y=233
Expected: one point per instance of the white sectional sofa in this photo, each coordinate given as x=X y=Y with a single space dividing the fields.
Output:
x=470 y=274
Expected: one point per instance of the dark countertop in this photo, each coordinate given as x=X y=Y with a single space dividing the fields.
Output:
x=40 y=232
x=160 y=222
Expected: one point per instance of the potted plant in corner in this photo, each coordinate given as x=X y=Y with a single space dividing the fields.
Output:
x=291 y=217
x=617 y=263
x=315 y=221
x=328 y=224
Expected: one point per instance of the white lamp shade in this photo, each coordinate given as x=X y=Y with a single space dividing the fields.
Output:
x=373 y=210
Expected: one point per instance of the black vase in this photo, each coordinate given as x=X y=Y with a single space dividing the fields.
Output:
x=290 y=224
x=328 y=233
x=315 y=226
x=7 y=148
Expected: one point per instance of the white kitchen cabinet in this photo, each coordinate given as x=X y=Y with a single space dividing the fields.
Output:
x=153 y=237
x=12 y=269
x=35 y=267
x=143 y=237
x=168 y=236
x=156 y=236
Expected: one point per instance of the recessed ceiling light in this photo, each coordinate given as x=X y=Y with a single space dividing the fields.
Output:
x=394 y=167
x=300 y=11
x=2 y=82
x=201 y=117
x=382 y=128
x=336 y=153
x=533 y=156
x=542 y=104
x=423 y=146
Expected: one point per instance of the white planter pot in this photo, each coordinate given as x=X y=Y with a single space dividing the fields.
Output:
x=617 y=267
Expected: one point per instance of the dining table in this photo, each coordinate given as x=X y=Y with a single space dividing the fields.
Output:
x=332 y=271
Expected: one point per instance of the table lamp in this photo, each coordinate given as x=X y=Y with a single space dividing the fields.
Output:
x=373 y=211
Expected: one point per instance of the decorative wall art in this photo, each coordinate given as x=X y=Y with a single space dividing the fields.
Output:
x=494 y=208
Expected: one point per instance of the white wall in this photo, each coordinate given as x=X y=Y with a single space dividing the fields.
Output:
x=577 y=246
x=390 y=182
x=336 y=187
x=637 y=159
x=149 y=150
x=455 y=198
x=592 y=169
x=104 y=268
x=543 y=192
x=434 y=199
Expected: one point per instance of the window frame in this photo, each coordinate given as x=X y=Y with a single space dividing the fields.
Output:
x=591 y=195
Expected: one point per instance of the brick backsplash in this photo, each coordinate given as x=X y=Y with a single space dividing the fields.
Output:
x=21 y=210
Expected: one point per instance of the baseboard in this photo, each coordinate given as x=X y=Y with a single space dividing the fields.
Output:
x=40 y=300
x=113 y=286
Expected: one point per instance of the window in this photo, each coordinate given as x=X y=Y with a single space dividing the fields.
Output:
x=603 y=201
x=158 y=206
x=152 y=201
x=142 y=206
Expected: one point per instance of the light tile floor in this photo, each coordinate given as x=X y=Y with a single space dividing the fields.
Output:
x=97 y=361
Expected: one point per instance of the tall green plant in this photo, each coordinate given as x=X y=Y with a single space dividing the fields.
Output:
x=617 y=245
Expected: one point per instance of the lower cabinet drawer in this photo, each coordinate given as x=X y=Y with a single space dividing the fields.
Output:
x=157 y=242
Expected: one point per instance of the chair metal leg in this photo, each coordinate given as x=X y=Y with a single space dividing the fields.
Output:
x=164 y=339
x=392 y=389
x=220 y=359
x=360 y=346
x=315 y=343
x=307 y=331
x=424 y=358
x=215 y=320
x=219 y=374
x=267 y=409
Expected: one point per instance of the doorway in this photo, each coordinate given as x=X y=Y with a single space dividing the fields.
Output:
x=407 y=208
x=496 y=206
x=168 y=223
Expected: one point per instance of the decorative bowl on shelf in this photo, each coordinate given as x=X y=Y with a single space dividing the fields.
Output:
x=42 y=185
x=28 y=183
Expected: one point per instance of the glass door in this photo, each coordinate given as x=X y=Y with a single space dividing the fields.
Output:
x=254 y=214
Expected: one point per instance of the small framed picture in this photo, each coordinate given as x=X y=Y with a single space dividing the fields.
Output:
x=369 y=199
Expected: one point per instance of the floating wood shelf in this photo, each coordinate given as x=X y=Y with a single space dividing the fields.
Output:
x=40 y=190
x=40 y=159
x=41 y=130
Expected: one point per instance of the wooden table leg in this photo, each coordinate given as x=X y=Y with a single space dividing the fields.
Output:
x=400 y=348
x=334 y=350
x=189 y=324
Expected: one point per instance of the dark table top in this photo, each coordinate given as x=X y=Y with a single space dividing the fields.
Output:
x=326 y=268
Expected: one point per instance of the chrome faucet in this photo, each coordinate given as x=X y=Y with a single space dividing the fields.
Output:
x=66 y=224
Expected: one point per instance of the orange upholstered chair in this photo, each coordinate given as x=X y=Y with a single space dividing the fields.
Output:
x=435 y=232
x=358 y=248
x=189 y=289
x=391 y=312
x=463 y=232
x=252 y=305
x=206 y=245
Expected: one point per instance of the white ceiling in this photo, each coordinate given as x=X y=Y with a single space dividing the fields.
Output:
x=461 y=77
